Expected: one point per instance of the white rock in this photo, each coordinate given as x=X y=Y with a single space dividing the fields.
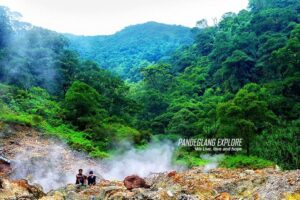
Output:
x=170 y=194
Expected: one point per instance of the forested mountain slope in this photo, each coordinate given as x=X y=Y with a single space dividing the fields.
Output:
x=239 y=79
x=133 y=47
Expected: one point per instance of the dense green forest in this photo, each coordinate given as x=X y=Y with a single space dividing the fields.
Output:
x=132 y=48
x=239 y=78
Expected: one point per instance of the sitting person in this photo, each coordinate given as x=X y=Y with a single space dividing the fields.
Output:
x=91 y=178
x=80 y=178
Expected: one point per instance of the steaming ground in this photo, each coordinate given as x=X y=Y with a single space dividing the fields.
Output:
x=156 y=158
x=214 y=161
x=52 y=164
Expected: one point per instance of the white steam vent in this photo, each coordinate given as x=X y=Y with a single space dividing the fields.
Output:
x=55 y=165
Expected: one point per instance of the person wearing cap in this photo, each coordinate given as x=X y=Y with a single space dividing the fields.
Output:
x=91 y=179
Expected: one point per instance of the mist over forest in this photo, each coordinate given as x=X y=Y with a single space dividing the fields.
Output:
x=239 y=78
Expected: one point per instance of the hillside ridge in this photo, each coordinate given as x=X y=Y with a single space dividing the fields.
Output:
x=133 y=47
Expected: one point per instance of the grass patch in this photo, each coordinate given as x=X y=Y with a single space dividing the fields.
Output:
x=11 y=117
x=75 y=139
x=250 y=162
x=188 y=159
x=191 y=161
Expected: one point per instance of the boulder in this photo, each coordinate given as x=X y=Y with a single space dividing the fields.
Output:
x=35 y=190
x=19 y=189
x=135 y=181
x=171 y=174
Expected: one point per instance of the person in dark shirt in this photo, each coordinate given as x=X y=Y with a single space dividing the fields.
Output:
x=91 y=178
x=80 y=178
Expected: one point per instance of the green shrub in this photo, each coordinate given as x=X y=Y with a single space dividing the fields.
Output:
x=241 y=161
x=121 y=132
x=23 y=119
x=191 y=161
x=188 y=159
x=281 y=147
x=36 y=119
x=98 y=154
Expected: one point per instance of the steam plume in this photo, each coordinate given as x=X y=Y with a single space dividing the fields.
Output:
x=55 y=165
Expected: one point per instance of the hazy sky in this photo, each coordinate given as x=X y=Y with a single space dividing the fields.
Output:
x=94 y=17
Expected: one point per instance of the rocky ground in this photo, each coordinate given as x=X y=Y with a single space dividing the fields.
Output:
x=219 y=184
x=192 y=184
